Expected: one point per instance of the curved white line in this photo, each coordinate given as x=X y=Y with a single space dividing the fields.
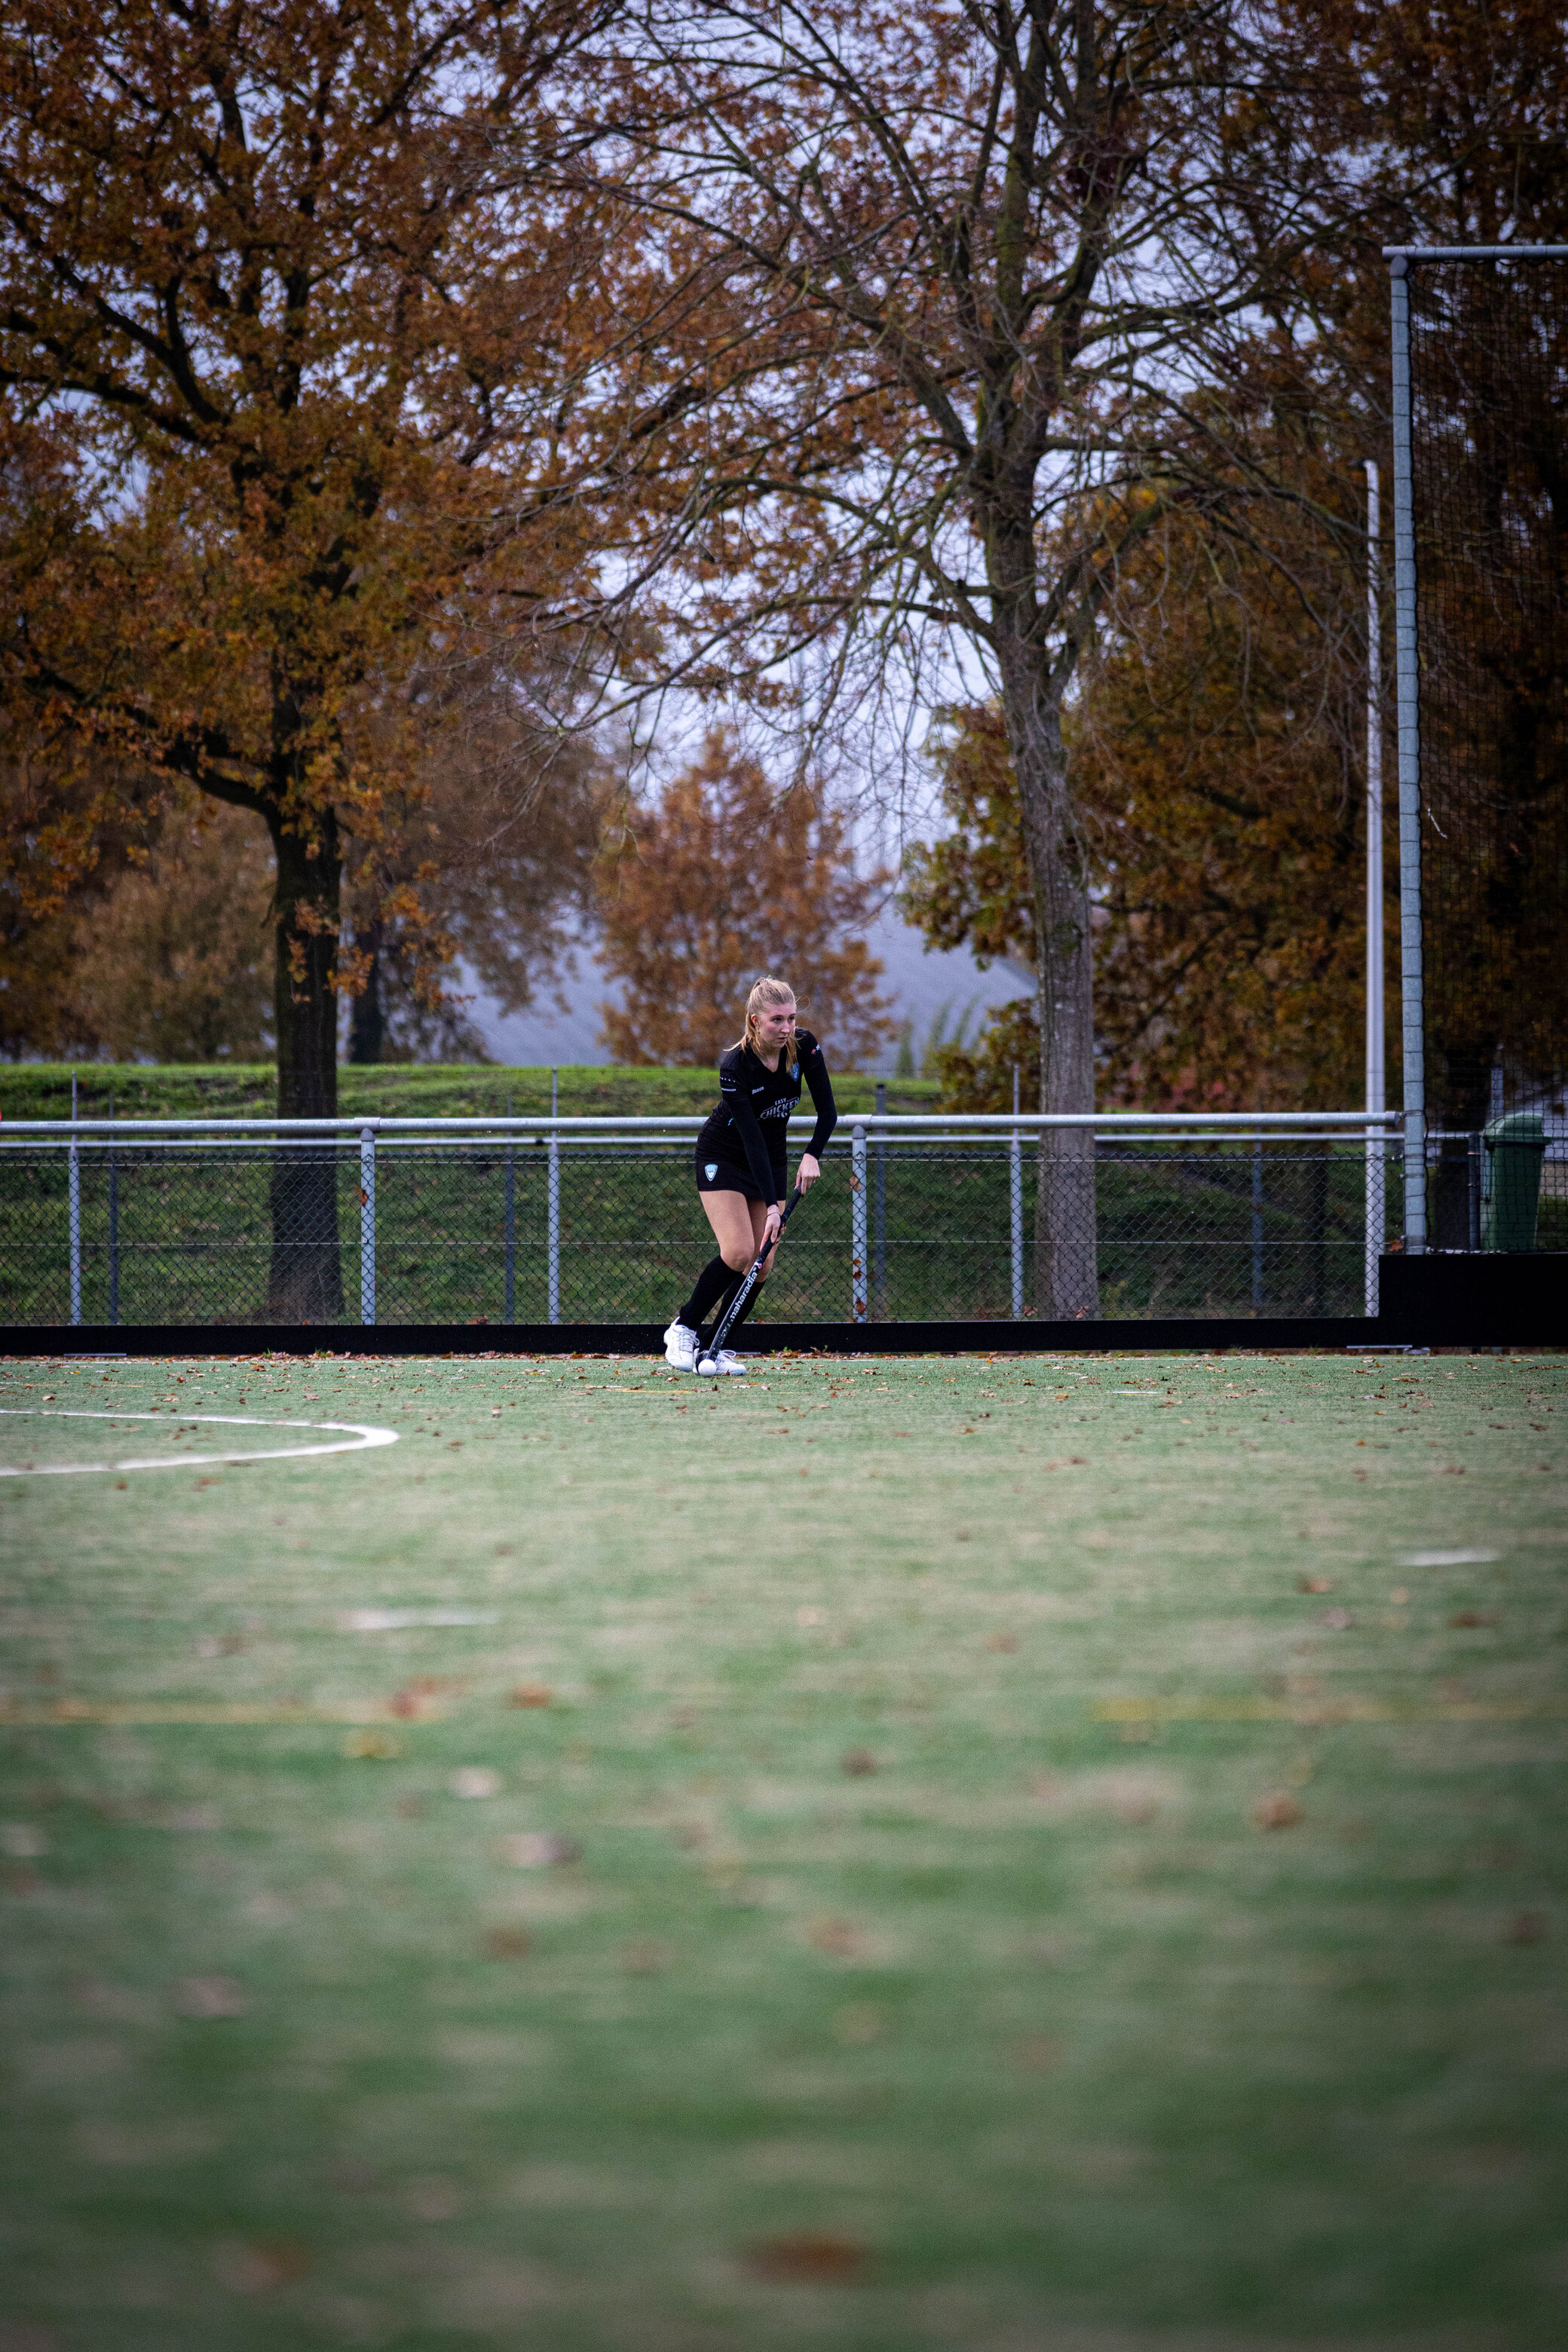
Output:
x=358 y=1436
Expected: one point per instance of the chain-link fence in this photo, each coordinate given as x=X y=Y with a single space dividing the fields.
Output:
x=535 y=1228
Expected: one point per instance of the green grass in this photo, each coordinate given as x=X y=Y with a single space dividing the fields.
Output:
x=394 y=1090
x=912 y=1735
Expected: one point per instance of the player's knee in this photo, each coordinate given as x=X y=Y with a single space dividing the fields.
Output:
x=737 y=1260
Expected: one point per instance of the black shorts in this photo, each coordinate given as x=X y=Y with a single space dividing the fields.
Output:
x=715 y=1175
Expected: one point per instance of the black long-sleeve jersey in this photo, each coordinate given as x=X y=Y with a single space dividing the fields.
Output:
x=747 y=1131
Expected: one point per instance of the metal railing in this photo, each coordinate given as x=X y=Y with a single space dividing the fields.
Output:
x=565 y=1220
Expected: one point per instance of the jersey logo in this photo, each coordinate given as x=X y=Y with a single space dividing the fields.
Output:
x=711 y=1170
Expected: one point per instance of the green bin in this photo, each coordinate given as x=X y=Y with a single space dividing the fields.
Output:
x=1510 y=1181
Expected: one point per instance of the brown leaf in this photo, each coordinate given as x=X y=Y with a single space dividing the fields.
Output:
x=858 y=1762
x=1314 y=1584
x=1036 y=2051
x=818 y=2257
x=1278 y=1811
x=835 y=1936
x=256 y=2268
x=508 y=1942
x=1526 y=1927
x=860 y=2022
x=208 y=1997
x=371 y=1745
x=1336 y=1619
x=1473 y=1617
x=644 y=1957
x=1004 y=1642
x=530 y=1694
x=539 y=1849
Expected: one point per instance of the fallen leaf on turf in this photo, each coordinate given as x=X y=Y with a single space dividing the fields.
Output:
x=372 y=1745
x=859 y=1761
x=859 y=2023
x=1314 y=1584
x=836 y=1937
x=532 y=1694
x=1005 y=1642
x=1336 y=1619
x=1526 y=1927
x=474 y=1780
x=207 y=1997
x=539 y=1849
x=432 y=2199
x=256 y=2269
x=644 y=1957
x=1471 y=1618
x=1277 y=1812
x=507 y=1943
x=1036 y=2051
x=22 y=1842
x=815 y=2256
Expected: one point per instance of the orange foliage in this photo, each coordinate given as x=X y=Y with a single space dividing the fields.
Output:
x=722 y=880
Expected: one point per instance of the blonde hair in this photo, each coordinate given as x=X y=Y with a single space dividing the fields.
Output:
x=766 y=991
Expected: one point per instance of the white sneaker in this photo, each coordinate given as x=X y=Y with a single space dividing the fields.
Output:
x=680 y=1347
x=728 y=1361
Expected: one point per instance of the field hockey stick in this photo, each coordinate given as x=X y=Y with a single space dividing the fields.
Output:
x=708 y=1357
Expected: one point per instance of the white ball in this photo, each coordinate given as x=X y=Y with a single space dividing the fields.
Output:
x=707 y=1368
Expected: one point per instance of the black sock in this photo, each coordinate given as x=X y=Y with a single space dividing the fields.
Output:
x=714 y=1280
x=748 y=1303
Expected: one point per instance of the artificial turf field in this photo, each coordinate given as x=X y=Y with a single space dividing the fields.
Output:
x=1003 y=1855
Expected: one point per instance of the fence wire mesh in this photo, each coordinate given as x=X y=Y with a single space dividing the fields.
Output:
x=504 y=1231
x=1489 y=388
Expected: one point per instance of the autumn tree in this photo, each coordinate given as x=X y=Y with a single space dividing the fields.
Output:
x=264 y=285
x=1216 y=739
x=489 y=870
x=718 y=881
x=1215 y=727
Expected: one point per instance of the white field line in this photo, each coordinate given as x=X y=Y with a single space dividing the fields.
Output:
x=357 y=1436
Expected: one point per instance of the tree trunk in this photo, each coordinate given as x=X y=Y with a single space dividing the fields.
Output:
x=1066 y=1278
x=367 y=1024
x=306 y=1284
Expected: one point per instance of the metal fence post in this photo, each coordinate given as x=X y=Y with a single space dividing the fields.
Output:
x=1015 y=1205
x=510 y=1228
x=73 y=1188
x=554 y=1251
x=858 y=1226
x=367 y=1224
x=1257 y=1226
x=114 y=1224
x=880 y=1208
x=1376 y=1164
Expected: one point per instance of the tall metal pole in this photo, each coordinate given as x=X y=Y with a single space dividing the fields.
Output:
x=1406 y=679
x=1376 y=1075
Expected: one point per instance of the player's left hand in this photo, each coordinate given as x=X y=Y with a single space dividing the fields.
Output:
x=806 y=1174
